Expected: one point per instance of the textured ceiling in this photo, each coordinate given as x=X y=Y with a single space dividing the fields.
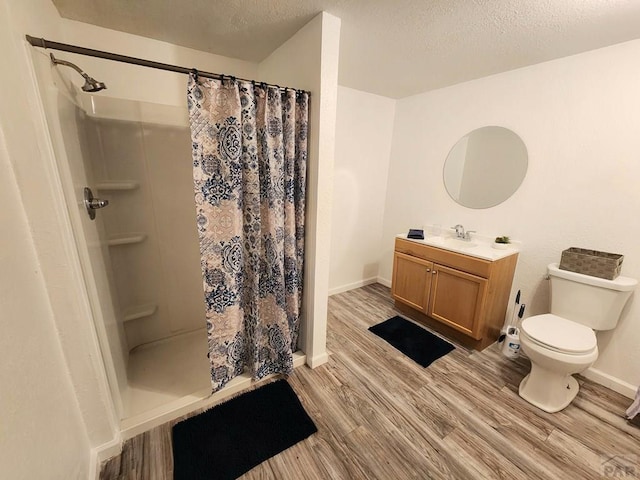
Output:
x=393 y=48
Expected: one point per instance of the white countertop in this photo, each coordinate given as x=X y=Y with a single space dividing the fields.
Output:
x=480 y=246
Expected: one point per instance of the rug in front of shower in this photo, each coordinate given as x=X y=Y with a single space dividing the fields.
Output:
x=415 y=342
x=233 y=437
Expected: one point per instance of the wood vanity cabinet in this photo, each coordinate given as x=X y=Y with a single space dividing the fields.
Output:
x=460 y=296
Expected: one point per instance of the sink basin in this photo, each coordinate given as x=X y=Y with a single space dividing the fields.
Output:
x=457 y=243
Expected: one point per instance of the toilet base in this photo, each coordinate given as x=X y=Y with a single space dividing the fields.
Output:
x=548 y=391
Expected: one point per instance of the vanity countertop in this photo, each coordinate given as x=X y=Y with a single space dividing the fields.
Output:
x=479 y=246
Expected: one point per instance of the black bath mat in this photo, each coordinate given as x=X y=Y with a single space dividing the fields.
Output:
x=232 y=438
x=415 y=342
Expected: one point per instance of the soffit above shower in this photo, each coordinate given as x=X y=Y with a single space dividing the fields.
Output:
x=392 y=48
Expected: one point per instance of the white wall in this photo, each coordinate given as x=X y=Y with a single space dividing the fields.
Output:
x=44 y=432
x=579 y=118
x=309 y=61
x=143 y=84
x=363 y=143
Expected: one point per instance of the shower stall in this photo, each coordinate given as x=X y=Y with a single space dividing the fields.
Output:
x=140 y=255
x=139 y=156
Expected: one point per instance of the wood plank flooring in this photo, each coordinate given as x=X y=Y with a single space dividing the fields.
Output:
x=382 y=416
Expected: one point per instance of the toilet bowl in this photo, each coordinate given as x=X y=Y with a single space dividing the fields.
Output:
x=557 y=348
x=563 y=342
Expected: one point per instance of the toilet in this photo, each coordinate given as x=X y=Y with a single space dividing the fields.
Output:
x=563 y=342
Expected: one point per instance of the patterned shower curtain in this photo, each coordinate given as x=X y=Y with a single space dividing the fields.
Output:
x=249 y=169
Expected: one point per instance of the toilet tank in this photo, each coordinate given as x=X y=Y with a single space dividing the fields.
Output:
x=591 y=301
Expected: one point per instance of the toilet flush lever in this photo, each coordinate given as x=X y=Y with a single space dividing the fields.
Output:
x=92 y=204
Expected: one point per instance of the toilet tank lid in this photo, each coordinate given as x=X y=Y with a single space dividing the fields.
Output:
x=622 y=284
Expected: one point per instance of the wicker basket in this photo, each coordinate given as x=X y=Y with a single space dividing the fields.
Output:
x=591 y=262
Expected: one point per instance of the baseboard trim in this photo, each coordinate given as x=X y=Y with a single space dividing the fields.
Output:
x=611 y=382
x=318 y=360
x=101 y=453
x=351 y=286
x=384 y=281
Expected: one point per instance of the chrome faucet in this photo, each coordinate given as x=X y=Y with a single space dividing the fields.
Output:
x=459 y=231
x=461 y=234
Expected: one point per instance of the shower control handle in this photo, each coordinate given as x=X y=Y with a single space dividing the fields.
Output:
x=92 y=204
x=95 y=203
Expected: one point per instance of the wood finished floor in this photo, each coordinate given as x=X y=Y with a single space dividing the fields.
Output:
x=381 y=416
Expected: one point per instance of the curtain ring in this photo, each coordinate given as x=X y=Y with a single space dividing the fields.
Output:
x=194 y=72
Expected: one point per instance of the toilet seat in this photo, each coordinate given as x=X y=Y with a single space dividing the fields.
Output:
x=559 y=334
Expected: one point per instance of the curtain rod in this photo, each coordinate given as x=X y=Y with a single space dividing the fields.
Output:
x=64 y=47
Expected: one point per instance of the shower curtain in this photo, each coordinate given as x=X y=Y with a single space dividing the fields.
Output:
x=249 y=168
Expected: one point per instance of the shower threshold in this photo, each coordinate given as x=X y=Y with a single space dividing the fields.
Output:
x=170 y=378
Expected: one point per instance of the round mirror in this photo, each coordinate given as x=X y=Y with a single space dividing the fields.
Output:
x=485 y=167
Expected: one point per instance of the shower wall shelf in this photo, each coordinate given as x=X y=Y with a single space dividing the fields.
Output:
x=117 y=186
x=139 y=311
x=126 y=239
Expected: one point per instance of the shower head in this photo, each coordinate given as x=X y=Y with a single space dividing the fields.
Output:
x=90 y=84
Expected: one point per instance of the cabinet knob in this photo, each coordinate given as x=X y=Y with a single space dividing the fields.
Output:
x=428 y=270
x=434 y=272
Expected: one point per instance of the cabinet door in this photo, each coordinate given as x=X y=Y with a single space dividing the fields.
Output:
x=411 y=280
x=457 y=299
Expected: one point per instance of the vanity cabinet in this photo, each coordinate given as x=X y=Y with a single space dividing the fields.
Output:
x=411 y=281
x=456 y=299
x=459 y=295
